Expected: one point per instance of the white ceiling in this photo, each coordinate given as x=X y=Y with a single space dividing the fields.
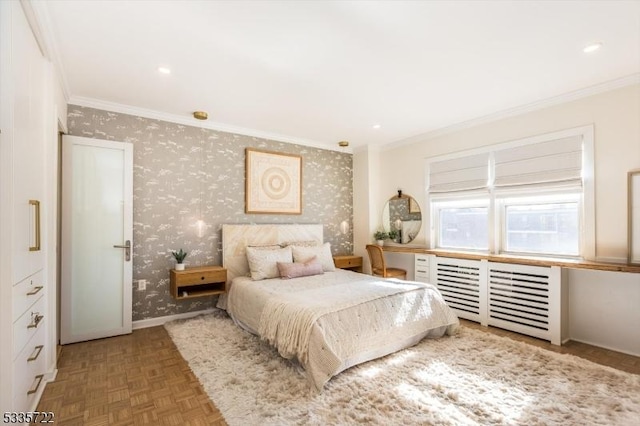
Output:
x=318 y=72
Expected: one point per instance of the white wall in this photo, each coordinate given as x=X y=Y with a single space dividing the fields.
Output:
x=616 y=117
x=366 y=181
x=604 y=309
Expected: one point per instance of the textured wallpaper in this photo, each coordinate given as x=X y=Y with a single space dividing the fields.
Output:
x=183 y=173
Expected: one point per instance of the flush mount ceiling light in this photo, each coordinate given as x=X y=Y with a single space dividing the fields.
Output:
x=164 y=70
x=200 y=115
x=376 y=126
x=592 y=47
x=343 y=143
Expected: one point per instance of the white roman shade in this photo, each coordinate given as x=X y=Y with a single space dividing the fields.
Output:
x=555 y=161
x=459 y=174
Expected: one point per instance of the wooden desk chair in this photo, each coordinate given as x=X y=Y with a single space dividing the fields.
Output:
x=379 y=266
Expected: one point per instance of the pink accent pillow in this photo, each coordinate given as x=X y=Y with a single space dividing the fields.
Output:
x=300 y=269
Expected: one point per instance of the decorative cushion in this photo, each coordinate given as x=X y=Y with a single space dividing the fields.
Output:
x=300 y=269
x=323 y=253
x=263 y=263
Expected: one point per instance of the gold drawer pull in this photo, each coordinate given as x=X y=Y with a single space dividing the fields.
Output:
x=36 y=205
x=35 y=290
x=35 y=320
x=39 y=377
x=34 y=357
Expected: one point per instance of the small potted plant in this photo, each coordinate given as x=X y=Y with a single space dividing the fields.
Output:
x=179 y=256
x=393 y=234
x=380 y=236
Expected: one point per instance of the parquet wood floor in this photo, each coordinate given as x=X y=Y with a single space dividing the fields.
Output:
x=141 y=378
x=136 y=379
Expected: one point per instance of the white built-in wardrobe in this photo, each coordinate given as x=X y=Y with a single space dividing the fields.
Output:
x=27 y=251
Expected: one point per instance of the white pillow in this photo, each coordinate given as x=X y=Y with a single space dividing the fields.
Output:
x=264 y=263
x=323 y=253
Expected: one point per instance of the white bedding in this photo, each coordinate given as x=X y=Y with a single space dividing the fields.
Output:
x=333 y=321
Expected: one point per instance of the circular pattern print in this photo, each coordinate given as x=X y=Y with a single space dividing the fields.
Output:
x=276 y=184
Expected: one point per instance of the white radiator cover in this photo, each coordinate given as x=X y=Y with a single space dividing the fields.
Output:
x=526 y=299
x=463 y=285
x=521 y=298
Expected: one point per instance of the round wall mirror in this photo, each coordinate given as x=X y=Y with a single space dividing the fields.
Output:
x=401 y=218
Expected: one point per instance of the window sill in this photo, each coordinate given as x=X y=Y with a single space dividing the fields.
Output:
x=522 y=260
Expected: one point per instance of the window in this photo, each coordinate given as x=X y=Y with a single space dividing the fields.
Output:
x=463 y=225
x=540 y=225
x=533 y=196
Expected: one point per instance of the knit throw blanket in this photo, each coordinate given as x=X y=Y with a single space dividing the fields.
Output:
x=287 y=320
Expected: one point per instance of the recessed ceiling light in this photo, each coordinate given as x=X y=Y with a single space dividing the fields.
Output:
x=376 y=126
x=164 y=70
x=592 y=47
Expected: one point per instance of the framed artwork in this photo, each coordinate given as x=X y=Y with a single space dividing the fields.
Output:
x=273 y=182
x=634 y=216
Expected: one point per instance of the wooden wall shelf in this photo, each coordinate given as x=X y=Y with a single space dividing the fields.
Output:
x=198 y=282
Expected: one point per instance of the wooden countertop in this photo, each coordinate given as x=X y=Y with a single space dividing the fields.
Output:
x=523 y=260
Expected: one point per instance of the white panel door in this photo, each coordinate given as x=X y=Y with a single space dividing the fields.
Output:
x=97 y=228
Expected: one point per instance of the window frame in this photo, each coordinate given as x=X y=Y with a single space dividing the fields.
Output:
x=586 y=207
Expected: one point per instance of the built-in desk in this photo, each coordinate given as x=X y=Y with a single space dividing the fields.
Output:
x=530 y=295
x=521 y=260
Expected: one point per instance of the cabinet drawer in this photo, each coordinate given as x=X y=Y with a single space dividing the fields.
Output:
x=347 y=262
x=421 y=273
x=200 y=276
x=26 y=293
x=25 y=327
x=422 y=278
x=421 y=265
x=28 y=371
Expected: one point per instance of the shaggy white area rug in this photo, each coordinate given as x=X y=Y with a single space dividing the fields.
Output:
x=473 y=378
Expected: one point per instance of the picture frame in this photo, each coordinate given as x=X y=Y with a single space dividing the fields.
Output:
x=273 y=182
x=633 y=185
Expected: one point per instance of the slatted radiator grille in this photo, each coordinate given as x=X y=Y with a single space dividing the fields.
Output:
x=520 y=298
x=460 y=282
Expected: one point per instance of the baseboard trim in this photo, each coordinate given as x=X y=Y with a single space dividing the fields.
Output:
x=51 y=376
x=154 y=322
x=600 y=345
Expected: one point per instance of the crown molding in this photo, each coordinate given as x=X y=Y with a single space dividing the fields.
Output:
x=511 y=112
x=190 y=121
x=39 y=20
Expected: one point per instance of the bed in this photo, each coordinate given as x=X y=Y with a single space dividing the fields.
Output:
x=328 y=320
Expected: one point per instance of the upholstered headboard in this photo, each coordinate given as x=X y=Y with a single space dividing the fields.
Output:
x=236 y=237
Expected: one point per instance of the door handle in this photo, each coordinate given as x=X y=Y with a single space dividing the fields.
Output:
x=127 y=249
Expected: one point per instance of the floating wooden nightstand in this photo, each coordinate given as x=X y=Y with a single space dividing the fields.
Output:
x=198 y=282
x=351 y=262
